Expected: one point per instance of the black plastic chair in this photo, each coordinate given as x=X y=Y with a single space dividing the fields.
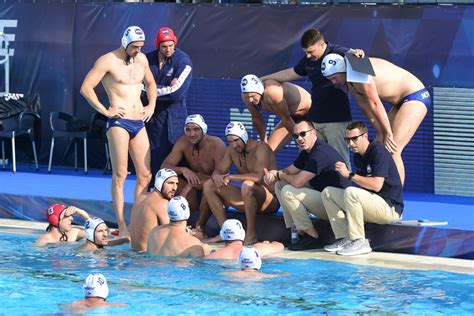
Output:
x=62 y=126
x=17 y=125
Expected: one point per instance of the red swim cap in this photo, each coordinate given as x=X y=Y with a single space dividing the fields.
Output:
x=53 y=213
x=165 y=34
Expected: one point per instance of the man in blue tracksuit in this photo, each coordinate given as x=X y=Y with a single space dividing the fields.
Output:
x=172 y=69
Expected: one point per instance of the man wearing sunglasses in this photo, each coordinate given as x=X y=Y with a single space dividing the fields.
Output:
x=378 y=199
x=299 y=186
x=330 y=108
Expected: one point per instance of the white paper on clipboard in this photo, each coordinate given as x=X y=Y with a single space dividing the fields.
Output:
x=355 y=76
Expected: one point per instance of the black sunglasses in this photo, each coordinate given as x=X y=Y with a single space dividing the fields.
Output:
x=302 y=134
x=353 y=139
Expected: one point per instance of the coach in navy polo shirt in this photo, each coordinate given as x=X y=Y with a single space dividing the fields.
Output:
x=298 y=186
x=378 y=199
x=330 y=109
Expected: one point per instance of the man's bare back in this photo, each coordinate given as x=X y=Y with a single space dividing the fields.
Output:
x=148 y=212
x=396 y=83
x=232 y=250
x=298 y=100
x=173 y=240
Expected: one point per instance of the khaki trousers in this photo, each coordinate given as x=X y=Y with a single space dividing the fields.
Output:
x=297 y=202
x=333 y=134
x=348 y=210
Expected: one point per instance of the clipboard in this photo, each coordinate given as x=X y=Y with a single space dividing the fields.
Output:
x=358 y=69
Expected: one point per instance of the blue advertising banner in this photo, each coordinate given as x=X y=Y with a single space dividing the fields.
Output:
x=52 y=47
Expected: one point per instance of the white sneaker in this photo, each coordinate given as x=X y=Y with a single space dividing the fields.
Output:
x=339 y=244
x=359 y=246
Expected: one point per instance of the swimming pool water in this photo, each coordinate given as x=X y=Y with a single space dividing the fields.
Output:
x=41 y=280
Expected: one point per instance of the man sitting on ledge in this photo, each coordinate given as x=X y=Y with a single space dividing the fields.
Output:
x=299 y=186
x=250 y=157
x=379 y=198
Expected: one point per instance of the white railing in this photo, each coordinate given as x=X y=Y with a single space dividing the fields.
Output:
x=6 y=62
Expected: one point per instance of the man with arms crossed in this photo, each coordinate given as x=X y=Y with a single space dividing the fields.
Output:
x=300 y=184
x=202 y=153
x=174 y=239
x=121 y=73
x=378 y=199
x=286 y=100
x=250 y=157
x=406 y=93
x=330 y=109
x=149 y=210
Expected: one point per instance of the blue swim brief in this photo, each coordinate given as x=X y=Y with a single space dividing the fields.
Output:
x=421 y=95
x=133 y=127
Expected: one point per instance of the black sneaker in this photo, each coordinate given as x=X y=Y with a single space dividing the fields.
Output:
x=306 y=242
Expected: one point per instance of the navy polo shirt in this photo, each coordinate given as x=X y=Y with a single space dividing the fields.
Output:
x=329 y=104
x=321 y=161
x=377 y=162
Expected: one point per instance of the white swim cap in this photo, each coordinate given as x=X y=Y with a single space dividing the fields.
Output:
x=232 y=230
x=333 y=64
x=96 y=286
x=237 y=129
x=90 y=226
x=132 y=34
x=178 y=209
x=249 y=259
x=162 y=175
x=251 y=83
x=198 y=120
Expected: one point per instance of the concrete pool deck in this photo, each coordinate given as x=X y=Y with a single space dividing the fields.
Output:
x=380 y=259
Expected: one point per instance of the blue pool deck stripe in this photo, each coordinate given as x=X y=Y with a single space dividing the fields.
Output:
x=458 y=211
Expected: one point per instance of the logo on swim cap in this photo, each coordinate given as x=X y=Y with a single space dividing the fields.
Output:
x=95 y=285
x=333 y=64
x=232 y=230
x=249 y=259
x=251 y=83
x=132 y=34
x=162 y=175
x=165 y=34
x=198 y=120
x=53 y=213
x=237 y=129
x=178 y=209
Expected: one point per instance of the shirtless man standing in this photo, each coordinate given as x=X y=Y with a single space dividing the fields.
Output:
x=406 y=93
x=149 y=210
x=173 y=239
x=250 y=157
x=233 y=234
x=202 y=153
x=121 y=73
x=285 y=99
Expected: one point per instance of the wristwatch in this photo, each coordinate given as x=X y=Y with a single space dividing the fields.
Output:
x=351 y=175
x=278 y=175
